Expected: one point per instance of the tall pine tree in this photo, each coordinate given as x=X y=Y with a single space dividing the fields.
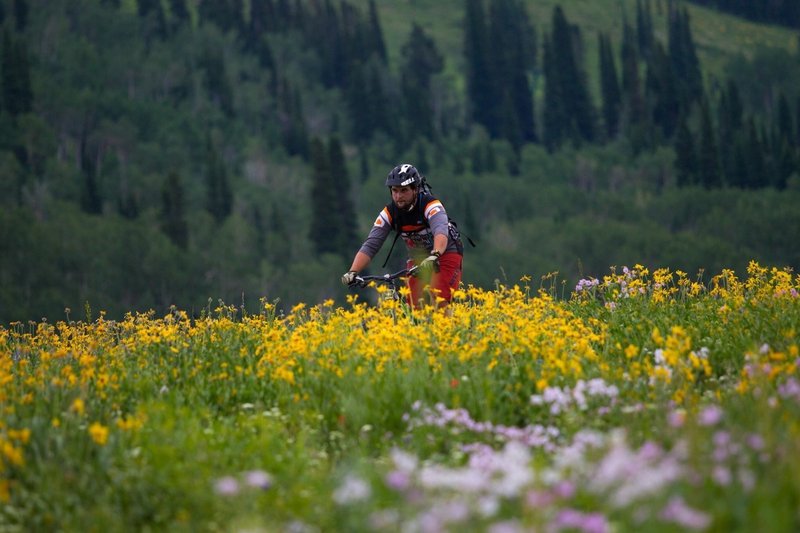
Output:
x=731 y=136
x=661 y=93
x=510 y=58
x=375 y=40
x=173 y=216
x=708 y=156
x=219 y=197
x=478 y=76
x=633 y=115
x=609 y=87
x=324 y=201
x=555 y=115
x=568 y=83
x=683 y=54
x=17 y=95
x=686 y=166
x=644 y=28
x=343 y=212
x=421 y=60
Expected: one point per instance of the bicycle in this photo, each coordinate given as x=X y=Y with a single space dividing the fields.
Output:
x=392 y=280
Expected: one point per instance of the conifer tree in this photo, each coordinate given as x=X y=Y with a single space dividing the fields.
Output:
x=478 y=76
x=327 y=32
x=421 y=60
x=279 y=241
x=476 y=157
x=632 y=98
x=683 y=54
x=17 y=94
x=756 y=163
x=609 y=87
x=257 y=218
x=179 y=11
x=510 y=60
x=219 y=197
x=363 y=163
x=223 y=13
x=784 y=120
x=367 y=100
x=568 y=81
x=644 y=28
x=173 y=216
x=785 y=164
x=324 y=201
x=471 y=225
x=685 y=155
x=489 y=157
x=291 y=114
x=91 y=199
x=737 y=174
x=708 y=156
x=523 y=59
x=379 y=101
x=343 y=210
x=729 y=126
x=356 y=95
x=555 y=116
x=217 y=84
x=128 y=205
x=661 y=92
x=797 y=123
x=21 y=14
x=145 y=7
x=375 y=41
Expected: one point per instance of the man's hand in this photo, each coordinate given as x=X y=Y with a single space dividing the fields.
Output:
x=430 y=263
x=349 y=277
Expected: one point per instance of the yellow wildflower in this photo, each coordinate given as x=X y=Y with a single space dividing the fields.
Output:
x=78 y=407
x=99 y=433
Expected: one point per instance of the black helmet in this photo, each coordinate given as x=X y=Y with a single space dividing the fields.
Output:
x=403 y=175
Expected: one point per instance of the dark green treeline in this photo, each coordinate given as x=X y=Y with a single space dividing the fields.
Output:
x=167 y=152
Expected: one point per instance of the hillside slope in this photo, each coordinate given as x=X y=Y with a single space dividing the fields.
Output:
x=720 y=38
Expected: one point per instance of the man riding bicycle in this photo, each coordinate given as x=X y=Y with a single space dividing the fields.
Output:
x=432 y=241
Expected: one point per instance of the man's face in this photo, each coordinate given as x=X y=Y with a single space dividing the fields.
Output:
x=404 y=196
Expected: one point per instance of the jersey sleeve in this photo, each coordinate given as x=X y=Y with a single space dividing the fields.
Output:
x=377 y=234
x=436 y=217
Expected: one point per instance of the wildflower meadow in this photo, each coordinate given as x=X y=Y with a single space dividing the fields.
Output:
x=643 y=401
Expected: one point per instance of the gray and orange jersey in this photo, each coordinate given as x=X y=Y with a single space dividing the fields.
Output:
x=417 y=227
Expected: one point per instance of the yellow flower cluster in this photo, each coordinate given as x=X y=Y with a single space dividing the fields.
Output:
x=100 y=373
x=11 y=455
x=486 y=328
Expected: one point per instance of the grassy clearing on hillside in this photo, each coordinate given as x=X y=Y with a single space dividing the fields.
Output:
x=719 y=38
x=649 y=400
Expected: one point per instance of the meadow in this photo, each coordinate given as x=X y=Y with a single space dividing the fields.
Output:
x=644 y=400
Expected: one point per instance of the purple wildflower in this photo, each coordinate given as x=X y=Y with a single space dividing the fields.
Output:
x=226 y=486
x=710 y=416
x=586 y=522
x=397 y=480
x=258 y=479
x=678 y=512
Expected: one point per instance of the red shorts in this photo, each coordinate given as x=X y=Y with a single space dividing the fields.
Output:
x=442 y=283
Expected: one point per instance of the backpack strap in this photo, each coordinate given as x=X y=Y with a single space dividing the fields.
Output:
x=394 y=215
x=396 y=235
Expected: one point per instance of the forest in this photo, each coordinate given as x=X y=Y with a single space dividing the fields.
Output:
x=182 y=153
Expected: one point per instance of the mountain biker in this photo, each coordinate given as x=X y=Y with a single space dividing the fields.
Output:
x=431 y=239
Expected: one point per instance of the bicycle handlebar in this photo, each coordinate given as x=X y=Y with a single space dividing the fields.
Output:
x=363 y=281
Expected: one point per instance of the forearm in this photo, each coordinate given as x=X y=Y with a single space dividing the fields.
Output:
x=439 y=243
x=360 y=262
